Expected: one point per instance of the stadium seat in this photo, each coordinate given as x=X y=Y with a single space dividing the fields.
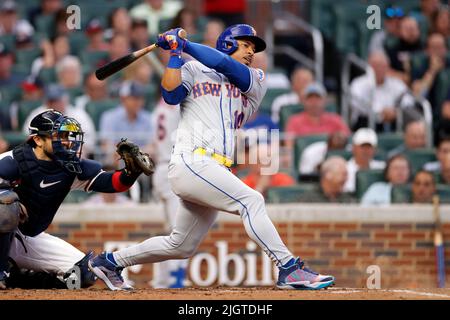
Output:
x=443 y=191
x=151 y=97
x=96 y=108
x=26 y=57
x=365 y=178
x=418 y=157
x=401 y=194
x=300 y=144
x=45 y=24
x=286 y=112
x=25 y=108
x=389 y=140
x=14 y=138
x=77 y=41
x=346 y=154
x=9 y=41
x=271 y=94
x=10 y=93
x=288 y=194
x=47 y=75
x=94 y=59
x=323 y=17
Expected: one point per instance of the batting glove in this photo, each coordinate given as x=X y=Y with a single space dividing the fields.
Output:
x=176 y=44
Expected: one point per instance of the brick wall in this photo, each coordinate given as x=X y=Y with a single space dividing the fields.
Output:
x=402 y=249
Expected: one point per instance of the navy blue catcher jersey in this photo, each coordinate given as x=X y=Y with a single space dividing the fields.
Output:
x=42 y=185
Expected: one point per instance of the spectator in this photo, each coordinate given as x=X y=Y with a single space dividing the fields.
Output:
x=314 y=120
x=397 y=172
x=56 y=98
x=423 y=187
x=363 y=149
x=32 y=89
x=424 y=79
x=391 y=27
x=94 y=90
x=10 y=22
x=428 y=11
x=300 y=79
x=415 y=138
x=441 y=23
x=7 y=76
x=443 y=149
x=140 y=71
x=94 y=32
x=46 y=8
x=186 y=19
x=445 y=109
x=273 y=79
x=52 y=53
x=213 y=29
x=257 y=179
x=333 y=174
x=61 y=28
x=69 y=73
x=139 y=35
x=119 y=22
x=314 y=154
x=379 y=95
x=4 y=145
x=24 y=38
x=128 y=119
x=408 y=44
x=445 y=169
x=119 y=47
x=154 y=11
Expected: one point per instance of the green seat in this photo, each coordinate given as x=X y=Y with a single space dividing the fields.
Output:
x=346 y=154
x=151 y=97
x=300 y=144
x=286 y=112
x=443 y=191
x=77 y=41
x=401 y=194
x=76 y=196
x=8 y=41
x=389 y=140
x=26 y=57
x=45 y=24
x=271 y=94
x=25 y=108
x=418 y=157
x=94 y=59
x=323 y=17
x=10 y=93
x=288 y=194
x=14 y=138
x=365 y=178
x=47 y=75
x=96 y=108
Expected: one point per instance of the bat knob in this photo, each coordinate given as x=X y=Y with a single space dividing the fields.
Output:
x=182 y=34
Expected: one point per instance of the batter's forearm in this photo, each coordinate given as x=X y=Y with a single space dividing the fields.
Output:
x=171 y=79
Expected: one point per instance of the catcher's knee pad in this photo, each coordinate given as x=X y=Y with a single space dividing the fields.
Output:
x=88 y=278
x=10 y=211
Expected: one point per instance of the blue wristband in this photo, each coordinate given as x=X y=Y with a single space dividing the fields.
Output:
x=175 y=62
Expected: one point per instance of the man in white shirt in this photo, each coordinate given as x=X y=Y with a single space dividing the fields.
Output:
x=300 y=79
x=380 y=95
x=56 y=98
x=364 y=147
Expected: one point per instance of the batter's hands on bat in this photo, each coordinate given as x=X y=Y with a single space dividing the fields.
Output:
x=171 y=40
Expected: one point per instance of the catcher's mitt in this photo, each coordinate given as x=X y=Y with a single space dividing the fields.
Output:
x=136 y=161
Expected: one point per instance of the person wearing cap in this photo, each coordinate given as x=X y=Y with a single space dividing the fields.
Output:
x=314 y=120
x=128 y=119
x=377 y=96
x=94 y=32
x=364 y=145
x=391 y=26
x=300 y=78
x=10 y=22
x=56 y=98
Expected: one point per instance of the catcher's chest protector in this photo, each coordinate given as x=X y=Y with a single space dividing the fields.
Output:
x=42 y=188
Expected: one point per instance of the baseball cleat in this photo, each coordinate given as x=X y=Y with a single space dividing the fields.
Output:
x=299 y=277
x=3 y=276
x=109 y=272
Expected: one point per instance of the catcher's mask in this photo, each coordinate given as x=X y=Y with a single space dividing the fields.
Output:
x=227 y=41
x=66 y=134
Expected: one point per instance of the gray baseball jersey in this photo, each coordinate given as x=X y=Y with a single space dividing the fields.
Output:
x=214 y=108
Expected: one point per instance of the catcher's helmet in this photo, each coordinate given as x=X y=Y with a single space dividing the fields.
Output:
x=66 y=135
x=227 y=43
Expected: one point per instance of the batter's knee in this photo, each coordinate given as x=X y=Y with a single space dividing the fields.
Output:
x=182 y=248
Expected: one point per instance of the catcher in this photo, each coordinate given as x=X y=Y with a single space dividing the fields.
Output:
x=35 y=177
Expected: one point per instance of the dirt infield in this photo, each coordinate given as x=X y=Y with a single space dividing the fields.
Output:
x=222 y=293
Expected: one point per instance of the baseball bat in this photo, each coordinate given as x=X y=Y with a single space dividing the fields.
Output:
x=114 y=66
x=438 y=244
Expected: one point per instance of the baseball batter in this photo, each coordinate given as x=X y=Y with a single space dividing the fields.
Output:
x=217 y=93
x=170 y=273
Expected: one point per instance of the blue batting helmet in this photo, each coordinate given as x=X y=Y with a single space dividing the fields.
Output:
x=227 y=43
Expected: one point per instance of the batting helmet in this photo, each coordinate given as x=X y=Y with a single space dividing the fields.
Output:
x=227 y=43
